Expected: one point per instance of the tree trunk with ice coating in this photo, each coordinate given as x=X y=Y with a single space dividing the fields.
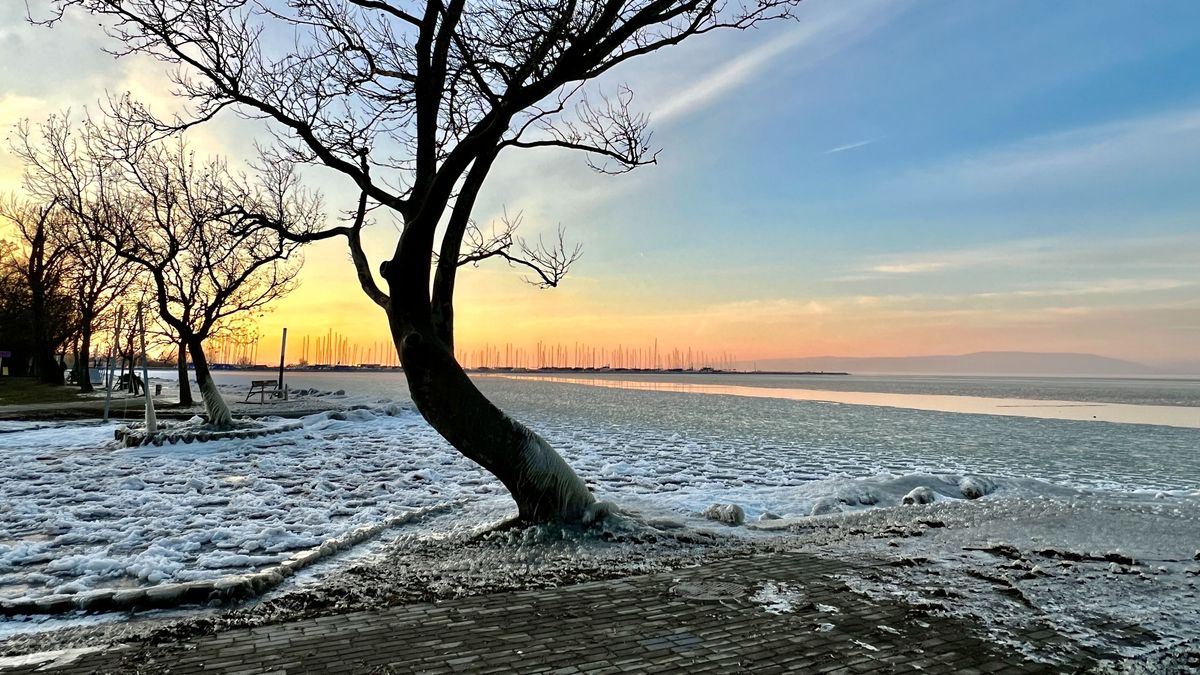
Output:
x=214 y=404
x=542 y=484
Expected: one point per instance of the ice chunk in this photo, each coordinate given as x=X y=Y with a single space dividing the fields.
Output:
x=730 y=514
x=973 y=487
x=919 y=495
x=132 y=483
x=826 y=505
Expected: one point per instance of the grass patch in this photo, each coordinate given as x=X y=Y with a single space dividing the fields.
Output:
x=21 y=390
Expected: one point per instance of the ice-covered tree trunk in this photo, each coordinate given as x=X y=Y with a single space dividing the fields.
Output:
x=542 y=484
x=214 y=404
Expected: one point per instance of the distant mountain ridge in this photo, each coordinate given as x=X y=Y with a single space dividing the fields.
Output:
x=977 y=363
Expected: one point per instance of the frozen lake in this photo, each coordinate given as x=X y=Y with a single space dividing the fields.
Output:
x=1130 y=391
x=1103 y=411
x=79 y=513
x=900 y=424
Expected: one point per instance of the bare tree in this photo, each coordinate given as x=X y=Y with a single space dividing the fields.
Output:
x=158 y=206
x=42 y=266
x=73 y=281
x=97 y=276
x=16 y=320
x=413 y=102
x=545 y=264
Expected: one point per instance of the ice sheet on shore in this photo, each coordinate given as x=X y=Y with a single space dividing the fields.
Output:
x=81 y=513
x=77 y=513
x=1113 y=573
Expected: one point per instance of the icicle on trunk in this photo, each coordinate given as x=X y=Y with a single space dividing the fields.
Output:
x=542 y=484
x=214 y=404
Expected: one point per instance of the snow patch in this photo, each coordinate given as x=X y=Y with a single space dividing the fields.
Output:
x=778 y=598
x=48 y=660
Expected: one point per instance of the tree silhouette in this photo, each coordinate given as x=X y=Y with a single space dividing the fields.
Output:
x=41 y=262
x=154 y=204
x=413 y=102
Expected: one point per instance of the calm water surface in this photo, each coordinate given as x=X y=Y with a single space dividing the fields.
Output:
x=823 y=439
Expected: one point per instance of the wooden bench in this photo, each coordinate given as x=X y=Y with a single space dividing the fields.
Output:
x=265 y=388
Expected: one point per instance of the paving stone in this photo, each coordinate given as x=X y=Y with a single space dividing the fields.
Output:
x=633 y=625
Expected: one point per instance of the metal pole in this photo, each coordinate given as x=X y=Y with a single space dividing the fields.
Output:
x=282 y=351
x=108 y=375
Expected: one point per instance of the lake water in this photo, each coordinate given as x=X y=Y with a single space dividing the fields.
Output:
x=1039 y=428
x=1104 y=411
x=1131 y=391
x=1171 y=402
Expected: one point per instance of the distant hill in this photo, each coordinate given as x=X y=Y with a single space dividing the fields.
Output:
x=1180 y=367
x=978 y=363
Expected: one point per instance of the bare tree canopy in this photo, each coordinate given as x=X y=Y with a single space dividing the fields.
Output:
x=176 y=217
x=97 y=276
x=413 y=102
x=39 y=261
x=71 y=281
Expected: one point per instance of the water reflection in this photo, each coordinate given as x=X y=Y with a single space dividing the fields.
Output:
x=1121 y=413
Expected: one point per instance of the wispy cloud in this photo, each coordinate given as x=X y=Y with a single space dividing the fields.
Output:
x=830 y=28
x=1107 y=287
x=1134 y=148
x=850 y=146
x=912 y=268
x=735 y=73
x=953 y=259
x=1167 y=252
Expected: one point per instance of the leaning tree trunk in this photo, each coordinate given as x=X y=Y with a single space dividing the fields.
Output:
x=185 y=387
x=214 y=405
x=542 y=484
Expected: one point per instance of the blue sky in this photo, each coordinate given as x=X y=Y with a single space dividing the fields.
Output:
x=878 y=178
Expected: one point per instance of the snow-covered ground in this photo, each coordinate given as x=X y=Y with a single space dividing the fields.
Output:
x=80 y=512
x=1054 y=497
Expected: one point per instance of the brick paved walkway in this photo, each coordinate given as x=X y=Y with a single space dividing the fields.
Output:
x=648 y=624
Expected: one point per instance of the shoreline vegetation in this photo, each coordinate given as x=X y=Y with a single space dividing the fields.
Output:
x=27 y=390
